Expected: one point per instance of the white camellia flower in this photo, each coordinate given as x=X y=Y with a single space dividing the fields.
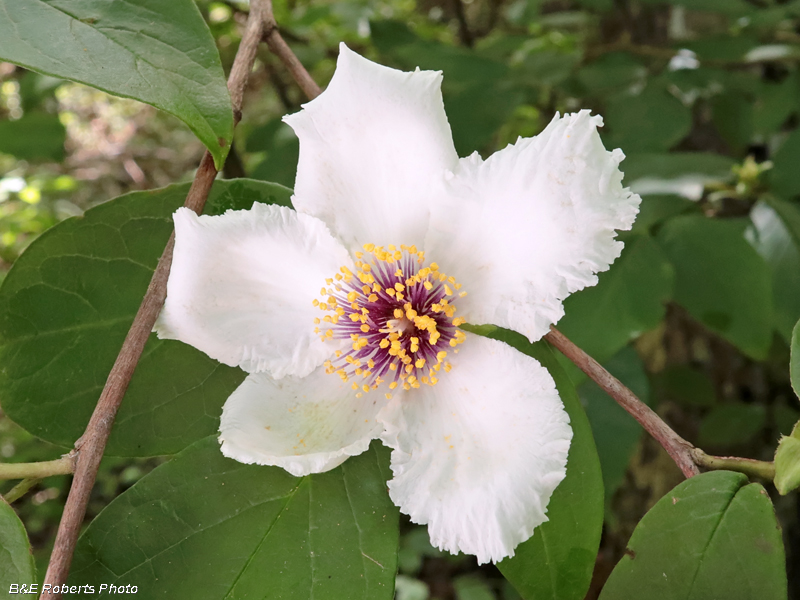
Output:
x=346 y=311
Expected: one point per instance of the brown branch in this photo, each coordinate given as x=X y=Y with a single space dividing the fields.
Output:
x=91 y=445
x=281 y=49
x=464 y=33
x=678 y=448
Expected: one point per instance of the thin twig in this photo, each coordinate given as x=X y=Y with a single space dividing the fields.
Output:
x=464 y=33
x=678 y=448
x=19 y=490
x=61 y=466
x=281 y=49
x=92 y=444
x=749 y=466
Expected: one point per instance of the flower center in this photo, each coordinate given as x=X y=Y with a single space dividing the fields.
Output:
x=398 y=316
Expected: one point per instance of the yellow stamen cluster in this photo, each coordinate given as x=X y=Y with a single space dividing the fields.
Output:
x=398 y=315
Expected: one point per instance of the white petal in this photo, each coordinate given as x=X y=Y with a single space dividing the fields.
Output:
x=532 y=224
x=373 y=150
x=242 y=286
x=478 y=455
x=304 y=425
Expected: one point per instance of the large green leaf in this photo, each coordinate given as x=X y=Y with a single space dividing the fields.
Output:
x=16 y=560
x=713 y=536
x=158 y=52
x=721 y=280
x=206 y=527
x=557 y=562
x=66 y=306
x=629 y=299
x=616 y=433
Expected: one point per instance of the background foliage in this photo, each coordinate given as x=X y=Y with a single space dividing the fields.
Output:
x=696 y=316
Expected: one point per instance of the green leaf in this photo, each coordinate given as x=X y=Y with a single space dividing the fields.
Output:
x=282 y=149
x=160 y=53
x=775 y=243
x=787 y=462
x=66 y=306
x=733 y=118
x=629 y=299
x=611 y=72
x=16 y=561
x=557 y=562
x=679 y=173
x=713 y=536
x=775 y=103
x=785 y=176
x=651 y=121
x=36 y=135
x=206 y=527
x=616 y=433
x=731 y=424
x=721 y=280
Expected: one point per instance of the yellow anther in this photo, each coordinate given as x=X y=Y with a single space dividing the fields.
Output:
x=351 y=297
x=371 y=363
x=373 y=298
x=391 y=247
x=420 y=363
x=369 y=247
x=329 y=333
x=365 y=328
x=398 y=255
x=428 y=285
x=327 y=319
x=392 y=367
x=399 y=287
x=354 y=385
x=447 y=367
x=315 y=302
x=316 y=320
x=389 y=291
x=384 y=343
x=441 y=355
x=365 y=289
x=406 y=386
x=398 y=314
x=459 y=321
x=462 y=294
x=359 y=254
x=447 y=290
x=388 y=396
x=434 y=267
x=366 y=268
x=398 y=273
x=365 y=387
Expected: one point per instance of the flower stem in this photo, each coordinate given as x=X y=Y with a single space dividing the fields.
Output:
x=92 y=444
x=678 y=448
x=750 y=467
x=36 y=470
x=19 y=490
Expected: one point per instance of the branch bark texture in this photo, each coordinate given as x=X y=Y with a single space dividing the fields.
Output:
x=678 y=448
x=91 y=445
